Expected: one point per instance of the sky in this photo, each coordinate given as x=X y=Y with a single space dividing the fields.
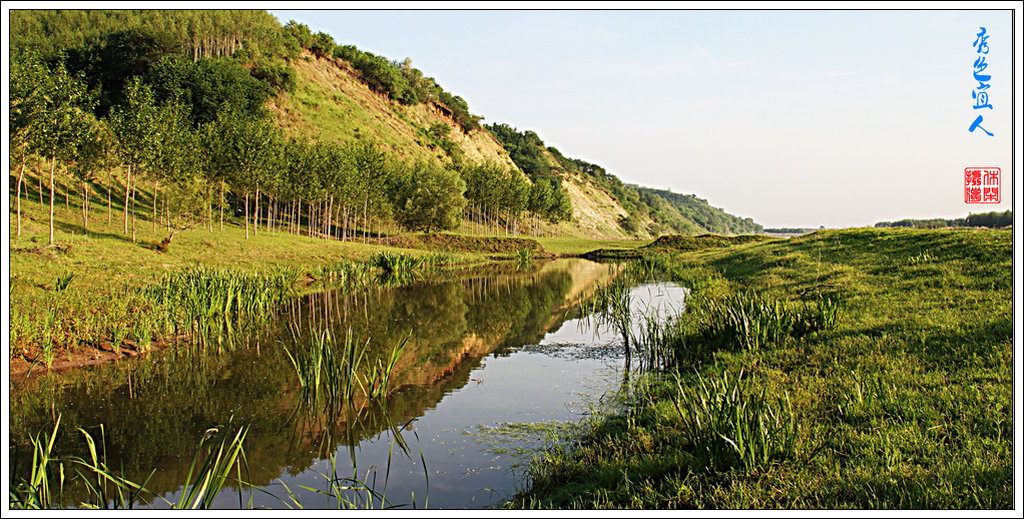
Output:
x=794 y=118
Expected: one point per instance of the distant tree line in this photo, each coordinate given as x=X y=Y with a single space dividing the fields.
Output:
x=791 y=230
x=993 y=219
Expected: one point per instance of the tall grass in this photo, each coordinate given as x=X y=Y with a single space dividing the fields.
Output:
x=45 y=483
x=523 y=258
x=208 y=475
x=751 y=320
x=332 y=374
x=106 y=488
x=210 y=470
x=728 y=427
x=611 y=305
x=206 y=301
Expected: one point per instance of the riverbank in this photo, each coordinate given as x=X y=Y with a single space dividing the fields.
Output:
x=904 y=402
x=66 y=299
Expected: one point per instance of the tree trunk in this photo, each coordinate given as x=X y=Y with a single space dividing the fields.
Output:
x=133 y=212
x=53 y=164
x=247 y=215
x=21 y=175
x=110 y=189
x=222 y=207
x=327 y=218
x=127 y=190
x=156 y=190
x=256 y=212
x=85 y=205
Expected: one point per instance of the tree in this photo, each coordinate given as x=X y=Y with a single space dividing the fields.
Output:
x=174 y=158
x=63 y=122
x=247 y=151
x=136 y=129
x=427 y=197
x=371 y=170
x=94 y=155
x=28 y=84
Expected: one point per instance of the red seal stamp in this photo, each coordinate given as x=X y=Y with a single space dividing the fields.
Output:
x=981 y=185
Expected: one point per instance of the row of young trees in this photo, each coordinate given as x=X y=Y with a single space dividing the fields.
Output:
x=196 y=158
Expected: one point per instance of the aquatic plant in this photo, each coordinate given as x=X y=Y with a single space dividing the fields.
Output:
x=45 y=483
x=611 y=305
x=523 y=257
x=108 y=489
x=206 y=478
x=727 y=427
x=651 y=266
x=752 y=320
x=391 y=263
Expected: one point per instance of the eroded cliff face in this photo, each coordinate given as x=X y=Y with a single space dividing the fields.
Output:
x=330 y=101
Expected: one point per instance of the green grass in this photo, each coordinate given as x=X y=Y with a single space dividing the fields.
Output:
x=572 y=246
x=900 y=397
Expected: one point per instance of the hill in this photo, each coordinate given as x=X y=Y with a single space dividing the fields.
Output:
x=329 y=99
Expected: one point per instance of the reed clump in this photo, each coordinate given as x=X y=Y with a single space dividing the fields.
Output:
x=751 y=320
x=728 y=427
x=332 y=373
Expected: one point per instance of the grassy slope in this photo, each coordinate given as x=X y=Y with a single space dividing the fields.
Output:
x=905 y=404
x=331 y=102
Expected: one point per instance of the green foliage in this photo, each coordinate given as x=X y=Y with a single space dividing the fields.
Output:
x=135 y=126
x=525 y=149
x=210 y=87
x=427 y=197
x=727 y=426
x=58 y=110
x=45 y=483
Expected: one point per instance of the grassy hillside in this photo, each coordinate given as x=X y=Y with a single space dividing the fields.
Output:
x=331 y=101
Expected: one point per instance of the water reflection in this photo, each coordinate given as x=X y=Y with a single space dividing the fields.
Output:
x=155 y=409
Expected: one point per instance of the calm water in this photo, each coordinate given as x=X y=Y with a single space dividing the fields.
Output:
x=495 y=366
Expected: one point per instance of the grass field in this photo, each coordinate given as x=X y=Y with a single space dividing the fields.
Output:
x=905 y=402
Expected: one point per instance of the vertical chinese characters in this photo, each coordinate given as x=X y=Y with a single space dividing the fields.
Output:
x=980 y=92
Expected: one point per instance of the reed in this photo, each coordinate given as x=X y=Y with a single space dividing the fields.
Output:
x=750 y=320
x=523 y=258
x=107 y=489
x=611 y=305
x=332 y=374
x=728 y=427
x=391 y=263
x=45 y=483
x=207 y=475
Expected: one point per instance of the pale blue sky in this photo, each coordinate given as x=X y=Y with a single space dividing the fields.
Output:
x=793 y=118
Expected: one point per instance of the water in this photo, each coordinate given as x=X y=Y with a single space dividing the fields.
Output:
x=496 y=367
